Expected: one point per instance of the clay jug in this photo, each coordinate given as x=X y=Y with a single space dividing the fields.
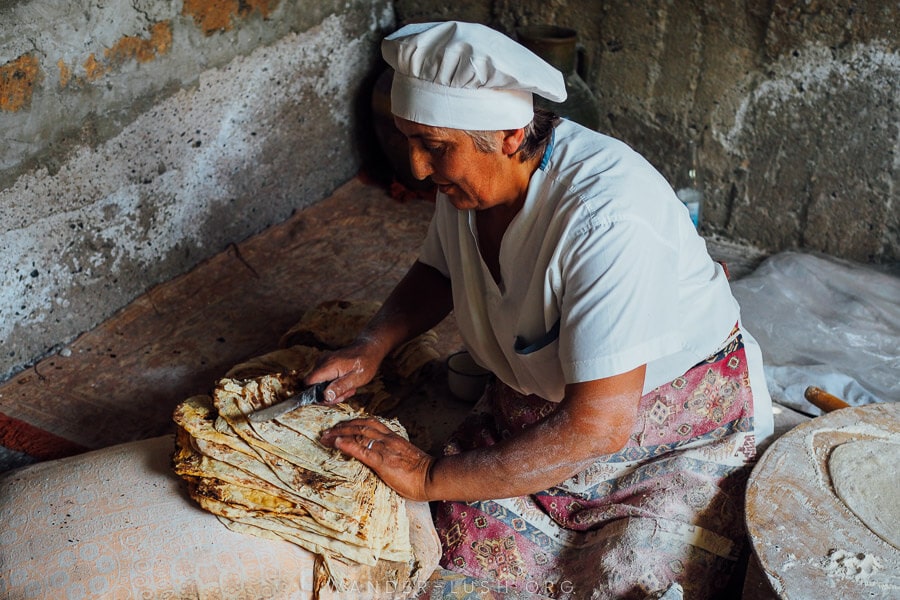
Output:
x=559 y=47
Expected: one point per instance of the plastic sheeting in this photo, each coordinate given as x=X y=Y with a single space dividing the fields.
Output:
x=825 y=322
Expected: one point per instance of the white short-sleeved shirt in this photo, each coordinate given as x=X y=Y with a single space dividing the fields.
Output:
x=602 y=271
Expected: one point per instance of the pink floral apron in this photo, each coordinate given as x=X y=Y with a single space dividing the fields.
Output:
x=666 y=508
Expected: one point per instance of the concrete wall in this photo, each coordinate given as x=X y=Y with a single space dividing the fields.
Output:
x=794 y=106
x=140 y=137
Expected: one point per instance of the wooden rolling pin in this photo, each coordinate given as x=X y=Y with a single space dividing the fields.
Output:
x=823 y=400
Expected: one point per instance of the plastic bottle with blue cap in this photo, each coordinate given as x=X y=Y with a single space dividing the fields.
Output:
x=690 y=190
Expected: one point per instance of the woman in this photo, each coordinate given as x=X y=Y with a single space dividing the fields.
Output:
x=609 y=456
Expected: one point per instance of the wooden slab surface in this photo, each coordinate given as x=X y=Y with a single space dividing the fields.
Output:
x=809 y=544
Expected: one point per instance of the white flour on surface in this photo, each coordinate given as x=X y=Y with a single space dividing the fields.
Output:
x=857 y=566
x=818 y=453
x=811 y=545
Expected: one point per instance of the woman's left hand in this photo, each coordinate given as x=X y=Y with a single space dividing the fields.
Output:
x=395 y=460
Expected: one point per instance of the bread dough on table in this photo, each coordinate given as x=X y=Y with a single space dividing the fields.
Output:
x=864 y=476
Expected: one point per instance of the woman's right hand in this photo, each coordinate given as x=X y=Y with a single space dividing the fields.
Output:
x=347 y=369
x=420 y=301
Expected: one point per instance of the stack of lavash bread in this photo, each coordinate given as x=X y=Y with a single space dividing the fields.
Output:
x=274 y=479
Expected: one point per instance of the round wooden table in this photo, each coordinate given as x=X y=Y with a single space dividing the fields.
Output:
x=809 y=544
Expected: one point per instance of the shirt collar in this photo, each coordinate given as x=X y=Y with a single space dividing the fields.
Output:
x=548 y=150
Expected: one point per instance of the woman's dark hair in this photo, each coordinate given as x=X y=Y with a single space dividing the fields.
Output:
x=537 y=135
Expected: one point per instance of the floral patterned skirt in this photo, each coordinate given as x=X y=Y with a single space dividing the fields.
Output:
x=667 y=508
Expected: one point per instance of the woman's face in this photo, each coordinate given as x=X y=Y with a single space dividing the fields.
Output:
x=470 y=178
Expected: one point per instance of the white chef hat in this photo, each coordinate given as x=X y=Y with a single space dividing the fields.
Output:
x=466 y=76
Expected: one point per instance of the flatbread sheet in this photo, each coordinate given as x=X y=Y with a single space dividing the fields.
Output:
x=864 y=476
x=277 y=480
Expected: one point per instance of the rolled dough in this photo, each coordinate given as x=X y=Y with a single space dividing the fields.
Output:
x=864 y=477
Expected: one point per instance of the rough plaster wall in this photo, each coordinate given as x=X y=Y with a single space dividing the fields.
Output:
x=820 y=137
x=103 y=200
x=794 y=106
x=100 y=64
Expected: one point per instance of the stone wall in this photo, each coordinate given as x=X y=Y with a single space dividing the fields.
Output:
x=794 y=106
x=141 y=137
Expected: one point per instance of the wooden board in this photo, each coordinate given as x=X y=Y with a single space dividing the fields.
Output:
x=809 y=544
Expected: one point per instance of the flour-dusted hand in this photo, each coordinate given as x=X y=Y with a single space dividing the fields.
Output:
x=395 y=460
x=348 y=369
x=419 y=302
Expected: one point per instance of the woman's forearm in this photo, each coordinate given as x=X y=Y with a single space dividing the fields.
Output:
x=593 y=420
x=533 y=461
